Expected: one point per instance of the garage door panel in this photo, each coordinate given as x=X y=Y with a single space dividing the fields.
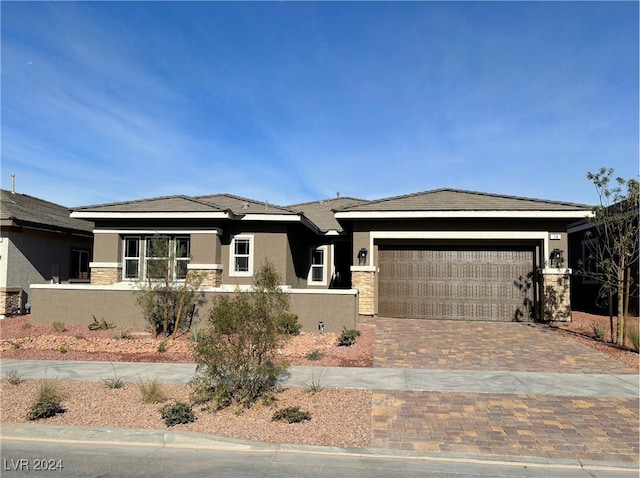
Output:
x=443 y=283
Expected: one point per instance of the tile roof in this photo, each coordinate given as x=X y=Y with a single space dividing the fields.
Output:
x=159 y=204
x=459 y=200
x=321 y=212
x=240 y=205
x=24 y=210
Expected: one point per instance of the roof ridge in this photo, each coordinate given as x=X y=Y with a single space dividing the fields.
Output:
x=320 y=201
x=478 y=193
x=130 y=201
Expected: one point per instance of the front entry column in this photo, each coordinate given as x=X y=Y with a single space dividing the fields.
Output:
x=363 y=278
x=556 y=297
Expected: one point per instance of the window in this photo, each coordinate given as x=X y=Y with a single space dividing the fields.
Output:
x=241 y=256
x=79 y=268
x=131 y=257
x=156 y=255
x=318 y=268
x=182 y=253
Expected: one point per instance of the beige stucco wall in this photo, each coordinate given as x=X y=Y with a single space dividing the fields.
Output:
x=78 y=304
x=107 y=247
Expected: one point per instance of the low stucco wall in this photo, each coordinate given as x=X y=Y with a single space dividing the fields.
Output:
x=78 y=304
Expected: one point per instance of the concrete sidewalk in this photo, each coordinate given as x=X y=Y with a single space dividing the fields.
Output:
x=504 y=382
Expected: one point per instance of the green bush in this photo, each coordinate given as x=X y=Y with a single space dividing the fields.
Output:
x=314 y=355
x=48 y=401
x=44 y=409
x=348 y=337
x=64 y=348
x=59 y=326
x=237 y=355
x=151 y=391
x=288 y=324
x=291 y=415
x=177 y=413
x=598 y=333
x=122 y=334
x=100 y=324
x=162 y=346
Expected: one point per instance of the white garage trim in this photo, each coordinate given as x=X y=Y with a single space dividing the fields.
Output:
x=495 y=235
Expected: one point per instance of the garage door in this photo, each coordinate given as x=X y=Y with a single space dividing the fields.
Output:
x=454 y=283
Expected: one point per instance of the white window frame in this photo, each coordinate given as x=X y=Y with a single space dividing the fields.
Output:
x=325 y=253
x=146 y=258
x=126 y=258
x=232 y=256
x=143 y=259
x=177 y=259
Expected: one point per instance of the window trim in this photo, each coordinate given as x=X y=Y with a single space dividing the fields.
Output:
x=126 y=258
x=324 y=265
x=146 y=258
x=233 y=256
x=176 y=259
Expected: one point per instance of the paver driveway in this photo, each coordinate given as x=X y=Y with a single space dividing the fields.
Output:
x=506 y=346
x=549 y=426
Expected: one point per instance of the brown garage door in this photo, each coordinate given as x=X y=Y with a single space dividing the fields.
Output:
x=454 y=283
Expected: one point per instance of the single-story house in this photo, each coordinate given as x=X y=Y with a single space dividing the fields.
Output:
x=438 y=254
x=39 y=244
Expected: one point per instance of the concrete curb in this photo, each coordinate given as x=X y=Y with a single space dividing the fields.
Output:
x=180 y=439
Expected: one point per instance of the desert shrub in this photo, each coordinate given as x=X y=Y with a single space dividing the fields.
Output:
x=12 y=377
x=348 y=337
x=291 y=415
x=236 y=356
x=167 y=303
x=634 y=336
x=48 y=401
x=177 y=413
x=195 y=335
x=59 y=326
x=314 y=355
x=122 y=334
x=288 y=324
x=14 y=344
x=100 y=324
x=314 y=386
x=151 y=391
x=162 y=346
x=115 y=381
x=64 y=348
x=27 y=325
x=598 y=333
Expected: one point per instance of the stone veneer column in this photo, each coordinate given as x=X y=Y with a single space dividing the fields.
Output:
x=106 y=275
x=211 y=274
x=556 y=297
x=363 y=278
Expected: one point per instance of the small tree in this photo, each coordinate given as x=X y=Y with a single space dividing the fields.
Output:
x=615 y=248
x=167 y=302
x=236 y=357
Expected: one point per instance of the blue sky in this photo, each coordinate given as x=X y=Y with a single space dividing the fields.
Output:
x=292 y=102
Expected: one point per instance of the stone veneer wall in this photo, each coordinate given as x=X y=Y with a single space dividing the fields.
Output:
x=11 y=302
x=364 y=281
x=210 y=277
x=556 y=297
x=106 y=275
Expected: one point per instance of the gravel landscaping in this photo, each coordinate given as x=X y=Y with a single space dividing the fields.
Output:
x=338 y=417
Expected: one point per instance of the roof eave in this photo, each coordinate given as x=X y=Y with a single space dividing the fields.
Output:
x=93 y=215
x=466 y=214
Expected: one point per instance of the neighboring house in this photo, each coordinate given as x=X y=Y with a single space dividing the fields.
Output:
x=438 y=254
x=39 y=244
x=451 y=254
x=586 y=292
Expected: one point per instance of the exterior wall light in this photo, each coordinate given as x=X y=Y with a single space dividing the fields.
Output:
x=557 y=258
x=362 y=256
